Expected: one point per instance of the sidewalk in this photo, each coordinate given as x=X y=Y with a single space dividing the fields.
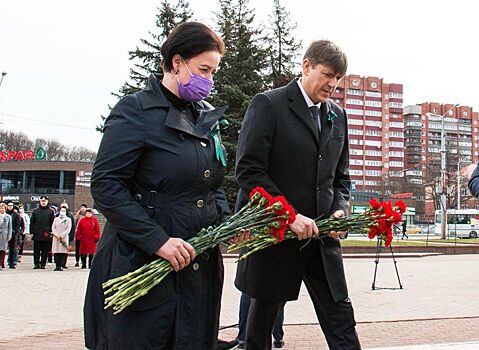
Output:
x=438 y=305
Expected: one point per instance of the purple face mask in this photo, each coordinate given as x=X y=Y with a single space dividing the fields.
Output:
x=196 y=89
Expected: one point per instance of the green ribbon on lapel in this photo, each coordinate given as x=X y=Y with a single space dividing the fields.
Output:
x=215 y=134
x=332 y=116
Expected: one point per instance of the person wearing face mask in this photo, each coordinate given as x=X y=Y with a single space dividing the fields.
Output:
x=157 y=180
x=26 y=231
x=61 y=228
x=71 y=234
x=88 y=233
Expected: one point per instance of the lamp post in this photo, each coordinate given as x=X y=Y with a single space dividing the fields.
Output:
x=442 y=198
x=1 y=79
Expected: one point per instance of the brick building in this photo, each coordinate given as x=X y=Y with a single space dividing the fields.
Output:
x=376 y=132
x=25 y=181
x=422 y=134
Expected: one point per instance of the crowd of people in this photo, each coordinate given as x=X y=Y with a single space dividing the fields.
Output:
x=54 y=231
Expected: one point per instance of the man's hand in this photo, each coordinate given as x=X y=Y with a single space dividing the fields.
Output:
x=304 y=227
x=178 y=252
x=244 y=235
x=336 y=215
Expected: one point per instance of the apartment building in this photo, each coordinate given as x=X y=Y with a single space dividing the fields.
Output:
x=376 y=131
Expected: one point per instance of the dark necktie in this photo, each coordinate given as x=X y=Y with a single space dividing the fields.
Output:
x=316 y=116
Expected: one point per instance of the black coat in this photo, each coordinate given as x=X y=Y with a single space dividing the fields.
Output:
x=280 y=150
x=155 y=177
x=41 y=223
x=474 y=183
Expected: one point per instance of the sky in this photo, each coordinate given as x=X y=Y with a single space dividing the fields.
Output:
x=64 y=58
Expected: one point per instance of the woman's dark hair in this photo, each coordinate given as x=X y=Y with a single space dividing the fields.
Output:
x=327 y=53
x=189 y=40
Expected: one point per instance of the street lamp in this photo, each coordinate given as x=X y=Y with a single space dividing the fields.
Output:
x=3 y=74
x=442 y=198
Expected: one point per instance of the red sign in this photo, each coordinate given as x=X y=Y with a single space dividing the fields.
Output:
x=17 y=155
x=402 y=195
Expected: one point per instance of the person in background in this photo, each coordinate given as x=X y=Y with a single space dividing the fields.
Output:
x=71 y=234
x=78 y=215
x=404 y=230
x=88 y=233
x=61 y=228
x=278 y=332
x=26 y=232
x=16 y=233
x=5 y=233
x=41 y=223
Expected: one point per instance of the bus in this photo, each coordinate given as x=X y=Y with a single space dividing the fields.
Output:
x=462 y=223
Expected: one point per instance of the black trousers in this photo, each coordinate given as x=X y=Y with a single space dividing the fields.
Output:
x=83 y=260
x=77 y=251
x=335 y=318
x=60 y=259
x=40 y=252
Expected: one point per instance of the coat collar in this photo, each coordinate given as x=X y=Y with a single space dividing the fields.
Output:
x=300 y=108
x=152 y=97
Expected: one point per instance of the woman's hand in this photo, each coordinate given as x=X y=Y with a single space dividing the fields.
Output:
x=178 y=252
x=243 y=235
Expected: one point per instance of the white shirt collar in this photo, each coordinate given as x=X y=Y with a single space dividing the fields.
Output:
x=305 y=95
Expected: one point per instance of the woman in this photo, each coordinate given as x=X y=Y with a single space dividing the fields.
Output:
x=61 y=227
x=88 y=233
x=157 y=180
x=5 y=233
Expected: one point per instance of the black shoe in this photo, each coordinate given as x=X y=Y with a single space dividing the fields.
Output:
x=83 y=267
x=278 y=343
x=65 y=267
x=12 y=267
x=43 y=267
x=36 y=267
x=77 y=264
x=226 y=345
x=57 y=269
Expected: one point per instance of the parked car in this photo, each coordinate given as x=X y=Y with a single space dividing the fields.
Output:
x=413 y=229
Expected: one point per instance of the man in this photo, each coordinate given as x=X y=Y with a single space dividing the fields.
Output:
x=294 y=142
x=16 y=236
x=79 y=214
x=41 y=228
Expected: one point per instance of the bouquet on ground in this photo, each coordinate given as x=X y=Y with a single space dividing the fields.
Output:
x=259 y=214
x=377 y=221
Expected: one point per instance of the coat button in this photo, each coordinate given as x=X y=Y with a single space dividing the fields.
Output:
x=196 y=266
x=320 y=157
x=200 y=203
x=203 y=144
x=138 y=197
x=207 y=174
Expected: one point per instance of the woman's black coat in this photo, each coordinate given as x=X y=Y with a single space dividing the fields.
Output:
x=156 y=176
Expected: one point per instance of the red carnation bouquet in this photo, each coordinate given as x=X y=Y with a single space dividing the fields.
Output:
x=377 y=221
x=267 y=218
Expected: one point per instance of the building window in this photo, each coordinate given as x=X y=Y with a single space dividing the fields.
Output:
x=373 y=103
x=354 y=101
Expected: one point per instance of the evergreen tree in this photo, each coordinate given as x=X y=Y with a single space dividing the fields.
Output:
x=283 y=47
x=146 y=60
x=240 y=75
